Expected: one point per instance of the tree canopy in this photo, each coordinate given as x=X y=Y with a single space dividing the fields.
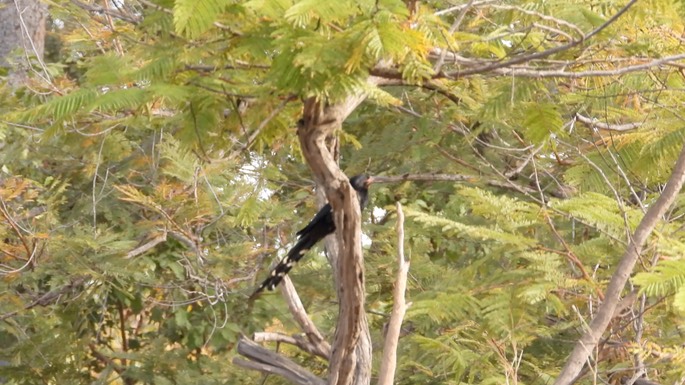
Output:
x=162 y=154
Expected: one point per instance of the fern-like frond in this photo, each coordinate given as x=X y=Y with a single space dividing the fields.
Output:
x=178 y=163
x=159 y=68
x=598 y=210
x=666 y=278
x=61 y=107
x=304 y=11
x=663 y=152
x=193 y=17
x=442 y=307
x=108 y=69
x=542 y=120
x=507 y=211
x=269 y=8
x=115 y=100
x=475 y=232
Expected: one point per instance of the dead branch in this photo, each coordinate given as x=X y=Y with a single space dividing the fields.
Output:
x=438 y=66
x=145 y=247
x=386 y=376
x=588 y=342
x=319 y=345
x=51 y=296
x=586 y=74
x=545 y=53
x=594 y=123
x=267 y=361
x=296 y=340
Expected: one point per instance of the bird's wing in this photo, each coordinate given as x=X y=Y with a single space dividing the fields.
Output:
x=320 y=217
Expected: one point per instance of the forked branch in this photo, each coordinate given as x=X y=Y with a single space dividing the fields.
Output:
x=588 y=342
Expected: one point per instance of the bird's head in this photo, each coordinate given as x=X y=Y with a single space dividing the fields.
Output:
x=361 y=182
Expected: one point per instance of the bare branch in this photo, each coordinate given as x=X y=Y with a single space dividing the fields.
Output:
x=321 y=347
x=594 y=123
x=145 y=247
x=386 y=375
x=106 y=11
x=266 y=361
x=462 y=6
x=503 y=67
x=424 y=178
x=51 y=296
x=456 y=178
x=589 y=340
x=295 y=340
x=457 y=22
x=517 y=72
x=539 y=15
x=545 y=53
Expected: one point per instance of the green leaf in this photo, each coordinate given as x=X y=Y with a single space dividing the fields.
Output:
x=542 y=121
x=666 y=278
x=194 y=17
x=116 y=100
x=304 y=11
x=64 y=106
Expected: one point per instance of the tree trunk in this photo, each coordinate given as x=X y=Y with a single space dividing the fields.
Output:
x=22 y=35
x=350 y=361
x=350 y=354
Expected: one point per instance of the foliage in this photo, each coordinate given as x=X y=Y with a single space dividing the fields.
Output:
x=149 y=183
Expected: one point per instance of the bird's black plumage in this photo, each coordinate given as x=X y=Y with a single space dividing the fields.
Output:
x=318 y=228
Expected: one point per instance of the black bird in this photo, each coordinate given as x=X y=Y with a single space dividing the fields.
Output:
x=321 y=225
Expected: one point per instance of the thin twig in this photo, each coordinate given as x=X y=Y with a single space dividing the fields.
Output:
x=454 y=27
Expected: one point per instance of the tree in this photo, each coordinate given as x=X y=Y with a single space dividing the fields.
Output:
x=149 y=183
x=22 y=30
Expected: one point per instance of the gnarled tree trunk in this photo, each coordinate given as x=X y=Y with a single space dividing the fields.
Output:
x=350 y=353
x=350 y=361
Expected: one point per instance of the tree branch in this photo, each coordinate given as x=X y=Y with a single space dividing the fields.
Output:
x=386 y=375
x=456 y=178
x=51 y=296
x=588 y=342
x=145 y=247
x=295 y=340
x=320 y=346
x=594 y=123
x=266 y=361
x=502 y=67
x=106 y=11
x=545 y=53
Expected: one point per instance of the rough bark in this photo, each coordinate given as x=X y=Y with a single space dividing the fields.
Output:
x=267 y=361
x=351 y=355
x=588 y=342
x=22 y=35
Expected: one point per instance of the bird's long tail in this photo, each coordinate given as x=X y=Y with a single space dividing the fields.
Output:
x=303 y=245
